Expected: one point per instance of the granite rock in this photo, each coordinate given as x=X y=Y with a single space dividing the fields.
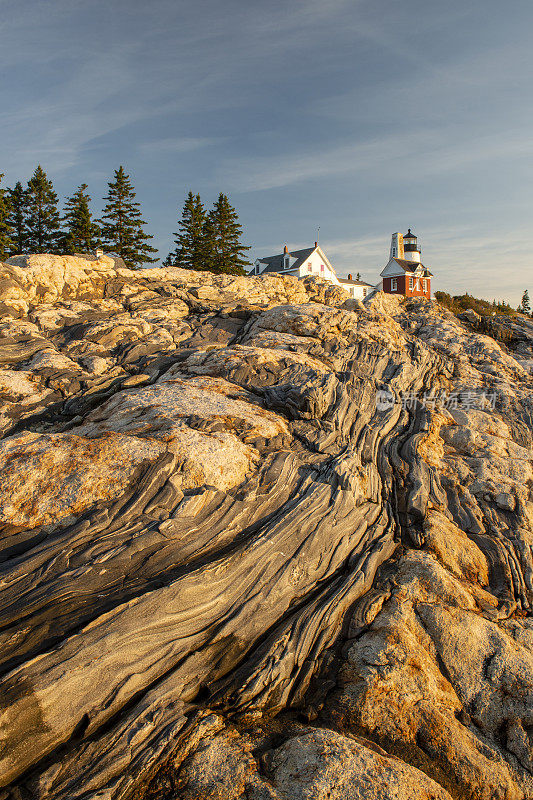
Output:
x=230 y=569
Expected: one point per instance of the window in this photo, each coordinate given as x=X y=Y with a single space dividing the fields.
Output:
x=286 y=262
x=425 y=285
x=309 y=267
x=364 y=292
x=394 y=284
x=322 y=268
x=410 y=284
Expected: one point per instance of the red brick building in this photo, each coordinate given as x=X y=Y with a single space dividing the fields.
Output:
x=405 y=274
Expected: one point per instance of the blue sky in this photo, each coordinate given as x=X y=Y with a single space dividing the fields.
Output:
x=362 y=117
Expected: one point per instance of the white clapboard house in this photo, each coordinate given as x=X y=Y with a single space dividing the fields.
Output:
x=306 y=262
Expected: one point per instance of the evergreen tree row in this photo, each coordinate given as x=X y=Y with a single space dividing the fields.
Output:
x=30 y=222
x=209 y=241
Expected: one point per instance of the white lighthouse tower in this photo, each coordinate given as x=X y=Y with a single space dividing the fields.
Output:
x=411 y=248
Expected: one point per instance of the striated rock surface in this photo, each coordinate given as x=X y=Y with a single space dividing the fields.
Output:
x=259 y=541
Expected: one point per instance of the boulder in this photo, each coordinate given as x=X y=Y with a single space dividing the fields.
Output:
x=324 y=764
x=471 y=316
x=315 y=765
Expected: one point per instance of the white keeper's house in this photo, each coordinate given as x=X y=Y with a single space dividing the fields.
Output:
x=309 y=261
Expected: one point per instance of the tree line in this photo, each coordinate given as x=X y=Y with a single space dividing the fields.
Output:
x=462 y=302
x=30 y=222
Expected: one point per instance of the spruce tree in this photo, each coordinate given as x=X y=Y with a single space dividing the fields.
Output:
x=17 y=199
x=43 y=221
x=526 y=305
x=6 y=231
x=122 y=224
x=81 y=233
x=222 y=232
x=190 y=251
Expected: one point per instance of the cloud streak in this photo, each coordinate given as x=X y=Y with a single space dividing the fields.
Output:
x=431 y=152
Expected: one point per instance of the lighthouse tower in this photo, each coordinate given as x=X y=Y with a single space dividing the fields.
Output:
x=411 y=248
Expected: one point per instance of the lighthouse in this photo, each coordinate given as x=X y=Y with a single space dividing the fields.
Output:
x=411 y=247
x=405 y=274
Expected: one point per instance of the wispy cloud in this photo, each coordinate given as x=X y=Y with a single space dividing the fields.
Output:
x=178 y=144
x=55 y=128
x=188 y=62
x=412 y=155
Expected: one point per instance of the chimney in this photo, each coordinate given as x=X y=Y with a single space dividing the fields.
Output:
x=349 y=276
x=285 y=249
x=316 y=244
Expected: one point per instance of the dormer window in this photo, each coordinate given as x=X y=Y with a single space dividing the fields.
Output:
x=286 y=262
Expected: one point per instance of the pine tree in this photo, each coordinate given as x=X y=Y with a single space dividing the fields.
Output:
x=222 y=232
x=43 y=219
x=122 y=223
x=6 y=231
x=190 y=251
x=82 y=234
x=526 y=305
x=17 y=198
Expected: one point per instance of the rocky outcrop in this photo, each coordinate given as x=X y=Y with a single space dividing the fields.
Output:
x=311 y=764
x=258 y=541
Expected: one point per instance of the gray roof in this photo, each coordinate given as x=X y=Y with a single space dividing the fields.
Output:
x=411 y=266
x=275 y=263
x=354 y=283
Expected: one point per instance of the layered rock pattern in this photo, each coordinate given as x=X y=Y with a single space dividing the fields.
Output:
x=228 y=572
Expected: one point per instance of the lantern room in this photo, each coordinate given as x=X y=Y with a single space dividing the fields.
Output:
x=411 y=247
